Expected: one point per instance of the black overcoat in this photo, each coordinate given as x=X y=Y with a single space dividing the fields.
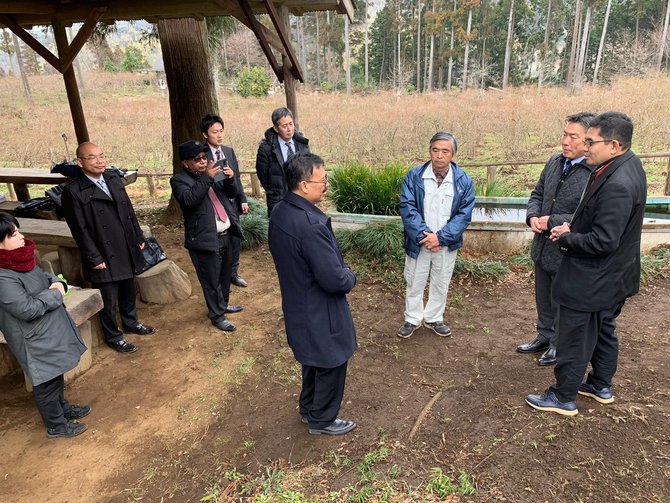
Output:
x=106 y=230
x=191 y=192
x=314 y=281
x=601 y=266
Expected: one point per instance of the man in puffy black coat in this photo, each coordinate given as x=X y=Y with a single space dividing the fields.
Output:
x=281 y=141
x=552 y=202
x=103 y=223
x=314 y=281
x=203 y=191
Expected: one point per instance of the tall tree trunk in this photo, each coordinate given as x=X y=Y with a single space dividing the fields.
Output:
x=367 y=42
x=399 y=72
x=508 y=46
x=602 y=42
x=573 y=45
x=347 y=54
x=545 y=47
x=429 y=79
x=579 y=74
x=190 y=85
x=440 y=60
x=318 y=51
x=22 y=71
x=664 y=36
x=451 y=52
x=418 y=47
x=483 y=72
x=466 y=54
x=303 y=51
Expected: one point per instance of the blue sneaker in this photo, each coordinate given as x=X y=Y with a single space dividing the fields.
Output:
x=549 y=403
x=603 y=395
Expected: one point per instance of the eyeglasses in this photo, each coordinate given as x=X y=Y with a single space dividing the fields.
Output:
x=589 y=142
x=325 y=180
x=201 y=157
x=92 y=157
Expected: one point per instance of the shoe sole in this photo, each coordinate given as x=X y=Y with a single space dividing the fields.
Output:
x=448 y=334
x=546 y=364
x=408 y=335
x=60 y=435
x=538 y=350
x=562 y=412
x=596 y=397
x=78 y=417
x=326 y=432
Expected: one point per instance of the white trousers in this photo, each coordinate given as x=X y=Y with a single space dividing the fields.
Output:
x=439 y=266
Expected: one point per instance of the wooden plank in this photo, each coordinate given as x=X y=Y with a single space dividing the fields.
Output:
x=44 y=177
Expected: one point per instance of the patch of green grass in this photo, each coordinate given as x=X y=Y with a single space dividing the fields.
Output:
x=441 y=485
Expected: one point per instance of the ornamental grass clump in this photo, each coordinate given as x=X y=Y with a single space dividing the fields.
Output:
x=357 y=188
x=254 y=225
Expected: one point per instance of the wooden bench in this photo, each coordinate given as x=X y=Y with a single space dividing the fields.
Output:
x=57 y=233
x=82 y=304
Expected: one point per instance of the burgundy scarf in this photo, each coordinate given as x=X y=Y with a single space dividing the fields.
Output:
x=20 y=260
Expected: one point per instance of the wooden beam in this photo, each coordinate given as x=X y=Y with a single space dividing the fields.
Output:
x=296 y=70
x=237 y=13
x=244 y=5
x=30 y=41
x=289 y=81
x=82 y=37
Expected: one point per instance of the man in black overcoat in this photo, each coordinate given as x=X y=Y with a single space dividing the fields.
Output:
x=213 y=129
x=314 y=281
x=600 y=267
x=103 y=223
x=279 y=143
x=203 y=191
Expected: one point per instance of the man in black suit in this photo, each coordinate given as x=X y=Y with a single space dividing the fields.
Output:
x=600 y=269
x=103 y=223
x=203 y=191
x=212 y=129
x=314 y=281
x=551 y=203
x=280 y=142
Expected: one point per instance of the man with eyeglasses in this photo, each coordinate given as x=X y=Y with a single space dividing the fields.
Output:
x=280 y=142
x=600 y=268
x=104 y=225
x=551 y=203
x=203 y=190
x=436 y=203
x=314 y=282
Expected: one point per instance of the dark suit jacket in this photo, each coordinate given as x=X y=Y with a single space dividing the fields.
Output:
x=314 y=281
x=190 y=190
x=105 y=230
x=230 y=156
x=601 y=266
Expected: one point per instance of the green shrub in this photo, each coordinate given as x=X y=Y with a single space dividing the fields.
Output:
x=253 y=81
x=254 y=225
x=134 y=60
x=357 y=188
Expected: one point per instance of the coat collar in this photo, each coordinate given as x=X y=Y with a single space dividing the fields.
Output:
x=302 y=203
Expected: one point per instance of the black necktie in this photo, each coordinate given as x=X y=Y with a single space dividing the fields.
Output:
x=289 y=149
x=566 y=167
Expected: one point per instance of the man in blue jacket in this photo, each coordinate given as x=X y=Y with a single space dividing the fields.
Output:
x=436 y=203
x=314 y=281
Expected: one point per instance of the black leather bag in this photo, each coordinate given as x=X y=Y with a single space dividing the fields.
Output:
x=153 y=254
x=31 y=207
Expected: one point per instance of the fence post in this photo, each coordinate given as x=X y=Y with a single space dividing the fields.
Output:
x=666 y=192
x=256 y=186
x=151 y=185
x=491 y=173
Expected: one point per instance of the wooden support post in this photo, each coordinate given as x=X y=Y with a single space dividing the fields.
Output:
x=21 y=192
x=289 y=80
x=256 y=190
x=667 y=180
x=491 y=173
x=151 y=185
x=70 y=81
x=12 y=192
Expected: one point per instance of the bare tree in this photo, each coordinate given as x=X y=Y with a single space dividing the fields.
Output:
x=429 y=80
x=602 y=42
x=545 y=47
x=22 y=70
x=347 y=54
x=579 y=73
x=664 y=37
x=573 y=45
x=367 y=41
x=451 y=48
x=508 y=45
x=418 y=46
x=466 y=53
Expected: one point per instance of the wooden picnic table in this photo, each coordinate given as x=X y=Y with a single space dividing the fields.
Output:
x=21 y=178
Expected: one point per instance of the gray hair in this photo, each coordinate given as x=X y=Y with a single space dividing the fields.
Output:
x=443 y=135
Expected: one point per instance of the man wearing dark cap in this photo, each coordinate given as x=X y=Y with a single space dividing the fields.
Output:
x=203 y=192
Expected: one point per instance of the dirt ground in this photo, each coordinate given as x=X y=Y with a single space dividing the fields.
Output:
x=193 y=403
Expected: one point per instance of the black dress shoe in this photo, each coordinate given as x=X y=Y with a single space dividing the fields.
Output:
x=123 y=346
x=547 y=358
x=237 y=281
x=77 y=412
x=339 y=427
x=140 y=329
x=224 y=325
x=234 y=309
x=69 y=430
x=534 y=346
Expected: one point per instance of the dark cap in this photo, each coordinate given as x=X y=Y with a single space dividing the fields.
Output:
x=190 y=150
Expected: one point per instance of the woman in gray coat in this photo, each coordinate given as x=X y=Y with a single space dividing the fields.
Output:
x=38 y=329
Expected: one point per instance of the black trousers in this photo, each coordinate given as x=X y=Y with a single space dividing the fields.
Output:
x=235 y=244
x=547 y=309
x=214 y=271
x=121 y=293
x=582 y=338
x=51 y=403
x=322 y=393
